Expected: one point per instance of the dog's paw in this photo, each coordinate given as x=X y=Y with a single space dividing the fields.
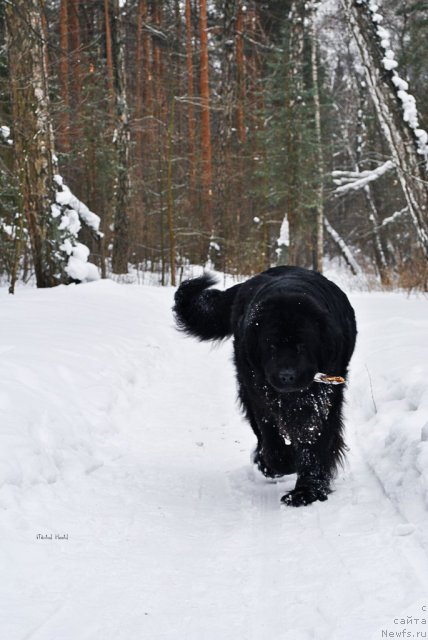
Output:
x=273 y=466
x=265 y=467
x=304 y=495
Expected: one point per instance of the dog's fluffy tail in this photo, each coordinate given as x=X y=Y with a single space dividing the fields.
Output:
x=202 y=312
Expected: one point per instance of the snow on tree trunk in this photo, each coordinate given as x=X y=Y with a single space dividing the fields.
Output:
x=52 y=225
x=395 y=109
x=33 y=136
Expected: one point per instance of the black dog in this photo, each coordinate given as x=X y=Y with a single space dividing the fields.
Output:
x=288 y=324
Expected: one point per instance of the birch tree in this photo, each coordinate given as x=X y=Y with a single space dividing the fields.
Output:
x=51 y=212
x=395 y=109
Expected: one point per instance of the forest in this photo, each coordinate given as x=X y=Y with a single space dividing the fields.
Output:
x=143 y=136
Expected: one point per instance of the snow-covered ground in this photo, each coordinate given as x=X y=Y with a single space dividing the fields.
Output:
x=124 y=436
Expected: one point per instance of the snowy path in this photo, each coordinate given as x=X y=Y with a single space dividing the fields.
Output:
x=126 y=436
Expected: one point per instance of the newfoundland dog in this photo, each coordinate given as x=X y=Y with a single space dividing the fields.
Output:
x=288 y=324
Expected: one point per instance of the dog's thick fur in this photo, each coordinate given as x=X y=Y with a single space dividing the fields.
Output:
x=288 y=323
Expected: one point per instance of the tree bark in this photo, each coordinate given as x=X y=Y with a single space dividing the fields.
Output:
x=109 y=52
x=319 y=250
x=76 y=50
x=64 y=135
x=33 y=136
x=293 y=97
x=121 y=239
x=170 y=195
x=205 y=120
x=191 y=125
x=225 y=182
x=240 y=75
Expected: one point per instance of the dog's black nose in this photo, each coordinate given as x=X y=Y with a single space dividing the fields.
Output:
x=287 y=376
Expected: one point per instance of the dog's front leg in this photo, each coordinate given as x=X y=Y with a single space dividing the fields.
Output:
x=316 y=433
x=313 y=475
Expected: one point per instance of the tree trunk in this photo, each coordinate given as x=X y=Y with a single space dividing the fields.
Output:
x=64 y=135
x=344 y=249
x=76 y=50
x=170 y=194
x=191 y=126
x=147 y=74
x=109 y=53
x=121 y=238
x=399 y=135
x=240 y=75
x=205 y=121
x=225 y=181
x=293 y=97
x=18 y=242
x=380 y=256
x=378 y=244
x=319 y=251
x=33 y=136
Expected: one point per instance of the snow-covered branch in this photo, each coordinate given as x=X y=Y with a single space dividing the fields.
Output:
x=355 y=180
x=72 y=212
x=395 y=216
x=347 y=253
x=65 y=198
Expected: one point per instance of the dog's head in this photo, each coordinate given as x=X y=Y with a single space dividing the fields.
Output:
x=288 y=340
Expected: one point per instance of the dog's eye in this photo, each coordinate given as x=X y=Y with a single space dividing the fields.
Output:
x=301 y=348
